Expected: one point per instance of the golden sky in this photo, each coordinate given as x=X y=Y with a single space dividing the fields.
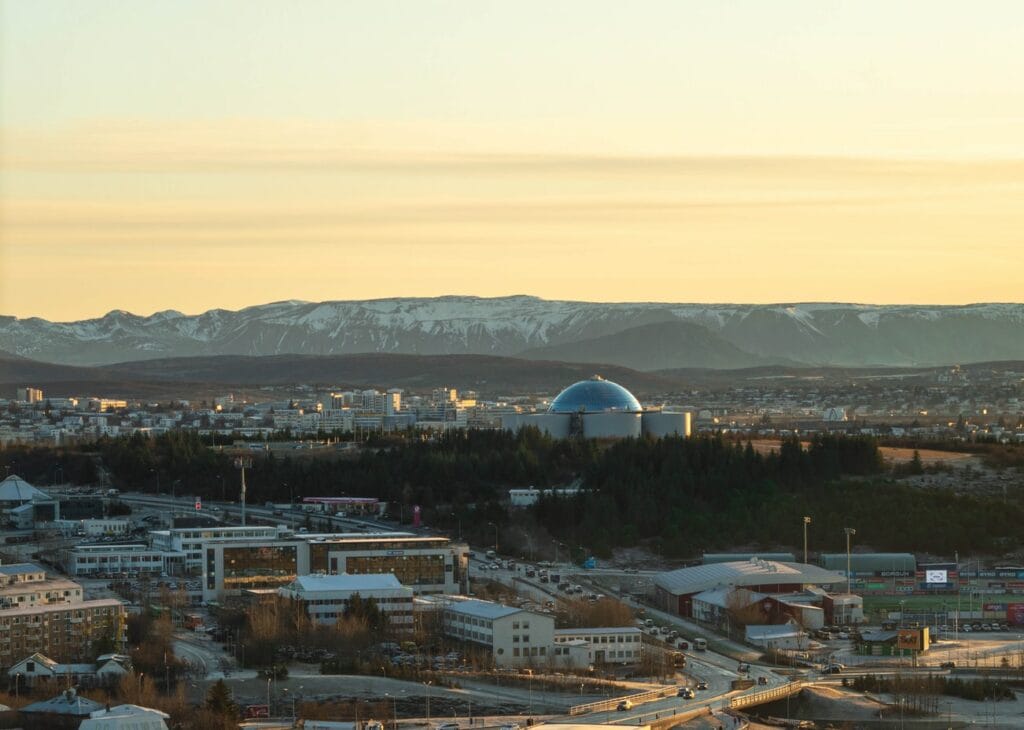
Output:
x=192 y=155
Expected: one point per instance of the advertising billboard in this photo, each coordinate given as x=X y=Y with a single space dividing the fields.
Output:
x=936 y=576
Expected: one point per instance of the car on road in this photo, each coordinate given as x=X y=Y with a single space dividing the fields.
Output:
x=447 y=726
x=702 y=685
x=510 y=726
x=762 y=680
x=743 y=668
x=833 y=668
x=947 y=665
x=686 y=693
x=623 y=706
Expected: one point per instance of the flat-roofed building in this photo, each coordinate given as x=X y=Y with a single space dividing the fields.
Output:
x=610 y=645
x=426 y=564
x=49 y=616
x=327 y=597
x=111 y=559
x=184 y=545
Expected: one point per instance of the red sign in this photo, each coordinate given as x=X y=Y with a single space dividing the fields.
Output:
x=1015 y=614
x=199 y=504
x=254 y=711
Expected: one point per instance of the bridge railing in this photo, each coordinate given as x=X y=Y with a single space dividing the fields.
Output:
x=605 y=705
x=768 y=695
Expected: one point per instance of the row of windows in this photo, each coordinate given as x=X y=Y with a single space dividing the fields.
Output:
x=620 y=654
x=122 y=559
x=474 y=621
x=469 y=634
x=630 y=639
x=344 y=601
x=530 y=651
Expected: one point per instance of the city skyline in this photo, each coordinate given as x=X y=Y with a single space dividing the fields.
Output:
x=195 y=156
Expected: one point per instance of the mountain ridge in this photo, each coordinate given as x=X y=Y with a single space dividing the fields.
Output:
x=626 y=333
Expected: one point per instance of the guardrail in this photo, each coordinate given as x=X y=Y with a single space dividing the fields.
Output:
x=605 y=705
x=768 y=695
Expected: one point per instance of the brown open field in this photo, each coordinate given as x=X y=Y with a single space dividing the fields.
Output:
x=889 y=453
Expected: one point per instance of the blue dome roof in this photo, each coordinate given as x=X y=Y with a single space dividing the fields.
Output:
x=594 y=396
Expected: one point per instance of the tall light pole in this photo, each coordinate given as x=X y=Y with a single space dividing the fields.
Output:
x=959 y=590
x=268 y=696
x=428 y=702
x=807 y=521
x=849 y=533
x=495 y=526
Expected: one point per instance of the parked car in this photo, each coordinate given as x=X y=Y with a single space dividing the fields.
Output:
x=623 y=706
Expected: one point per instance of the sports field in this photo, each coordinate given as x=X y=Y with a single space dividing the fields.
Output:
x=873 y=603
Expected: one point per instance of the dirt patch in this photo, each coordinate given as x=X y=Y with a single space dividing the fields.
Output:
x=891 y=454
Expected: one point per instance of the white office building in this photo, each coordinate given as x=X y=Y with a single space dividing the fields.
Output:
x=327 y=597
x=614 y=645
x=516 y=637
x=111 y=559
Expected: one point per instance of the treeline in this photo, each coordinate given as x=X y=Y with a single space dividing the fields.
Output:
x=677 y=496
x=919 y=693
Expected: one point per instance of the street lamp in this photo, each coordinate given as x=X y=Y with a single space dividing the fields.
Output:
x=495 y=535
x=427 y=684
x=394 y=709
x=807 y=521
x=268 y=694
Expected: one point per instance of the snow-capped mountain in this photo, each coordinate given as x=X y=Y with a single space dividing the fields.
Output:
x=654 y=335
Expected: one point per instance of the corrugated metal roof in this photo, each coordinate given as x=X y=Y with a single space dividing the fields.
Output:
x=483 y=609
x=746 y=573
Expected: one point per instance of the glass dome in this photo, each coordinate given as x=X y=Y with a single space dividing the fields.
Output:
x=596 y=395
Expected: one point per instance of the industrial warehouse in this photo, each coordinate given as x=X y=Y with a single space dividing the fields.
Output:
x=779 y=590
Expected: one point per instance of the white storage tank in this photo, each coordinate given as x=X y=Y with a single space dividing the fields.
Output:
x=613 y=424
x=660 y=423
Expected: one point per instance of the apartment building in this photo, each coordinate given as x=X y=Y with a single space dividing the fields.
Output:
x=50 y=616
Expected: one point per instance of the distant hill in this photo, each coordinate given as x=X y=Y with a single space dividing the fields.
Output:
x=656 y=346
x=180 y=376
x=644 y=335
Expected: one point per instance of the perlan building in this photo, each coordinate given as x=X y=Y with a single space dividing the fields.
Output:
x=598 y=408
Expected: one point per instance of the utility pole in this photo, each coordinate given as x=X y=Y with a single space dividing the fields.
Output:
x=807 y=521
x=243 y=464
x=849 y=532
